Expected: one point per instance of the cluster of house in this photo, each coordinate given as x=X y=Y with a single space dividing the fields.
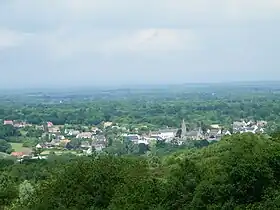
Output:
x=89 y=140
x=250 y=126
x=213 y=133
x=56 y=137
x=16 y=124
x=95 y=139
x=89 y=143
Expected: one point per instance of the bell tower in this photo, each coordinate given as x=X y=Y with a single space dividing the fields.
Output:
x=184 y=129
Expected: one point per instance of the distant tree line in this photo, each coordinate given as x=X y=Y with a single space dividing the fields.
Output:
x=156 y=111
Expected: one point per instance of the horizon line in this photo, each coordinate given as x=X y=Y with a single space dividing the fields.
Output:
x=128 y=86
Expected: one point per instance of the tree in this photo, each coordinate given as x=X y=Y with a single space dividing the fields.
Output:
x=91 y=182
x=142 y=148
x=74 y=143
x=204 y=127
x=33 y=132
x=8 y=131
x=26 y=190
x=8 y=191
x=37 y=151
x=179 y=133
x=5 y=146
x=181 y=185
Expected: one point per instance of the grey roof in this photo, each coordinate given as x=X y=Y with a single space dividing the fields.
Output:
x=85 y=144
x=214 y=132
x=100 y=138
x=168 y=130
x=192 y=133
x=156 y=137
x=238 y=124
x=132 y=138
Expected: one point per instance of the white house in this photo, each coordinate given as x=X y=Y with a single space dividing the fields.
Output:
x=227 y=133
x=165 y=134
x=143 y=142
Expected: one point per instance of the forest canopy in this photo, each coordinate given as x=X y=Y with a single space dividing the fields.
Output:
x=239 y=172
x=158 y=107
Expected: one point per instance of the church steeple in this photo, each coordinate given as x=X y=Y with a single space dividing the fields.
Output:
x=184 y=129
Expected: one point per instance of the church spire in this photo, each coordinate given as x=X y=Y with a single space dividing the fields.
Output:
x=184 y=129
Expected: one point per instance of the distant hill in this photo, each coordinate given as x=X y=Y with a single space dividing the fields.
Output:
x=64 y=96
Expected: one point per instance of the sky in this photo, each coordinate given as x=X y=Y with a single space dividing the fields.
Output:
x=65 y=43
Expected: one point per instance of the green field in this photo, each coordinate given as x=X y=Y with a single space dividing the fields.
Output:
x=57 y=152
x=19 y=148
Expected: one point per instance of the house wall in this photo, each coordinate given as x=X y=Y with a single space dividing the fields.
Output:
x=167 y=135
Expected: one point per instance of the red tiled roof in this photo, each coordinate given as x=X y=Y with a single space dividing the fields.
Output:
x=10 y=122
x=50 y=124
x=17 y=154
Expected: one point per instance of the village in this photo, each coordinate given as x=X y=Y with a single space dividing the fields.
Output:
x=84 y=140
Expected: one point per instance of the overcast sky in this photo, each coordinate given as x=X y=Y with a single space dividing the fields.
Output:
x=99 y=42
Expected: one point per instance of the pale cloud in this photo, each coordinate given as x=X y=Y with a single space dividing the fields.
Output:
x=63 y=43
x=144 y=13
x=252 y=9
x=169 y=40
x=66 y=43
x=75 y=26
x=9 y=38
x=152 y=41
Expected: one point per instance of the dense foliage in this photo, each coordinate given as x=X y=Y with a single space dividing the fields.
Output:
x=239 y=172
x=5 y=146
x=155 y=107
